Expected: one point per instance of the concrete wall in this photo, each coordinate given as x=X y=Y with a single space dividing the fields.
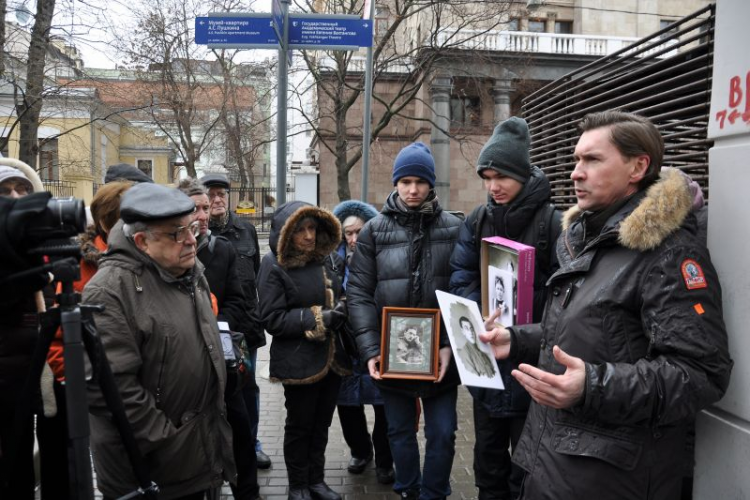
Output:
x=723 y=432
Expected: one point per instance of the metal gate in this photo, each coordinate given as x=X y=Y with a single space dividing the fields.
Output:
x=665 y=77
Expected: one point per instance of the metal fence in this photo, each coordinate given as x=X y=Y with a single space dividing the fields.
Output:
x=674 y=92
x=60 y=189
x=263 y=201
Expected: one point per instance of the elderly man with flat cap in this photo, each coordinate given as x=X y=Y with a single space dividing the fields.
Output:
x=162 y=340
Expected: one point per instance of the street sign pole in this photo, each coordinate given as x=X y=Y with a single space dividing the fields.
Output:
x=366 y=133
x=278 y=30
x=281 y=108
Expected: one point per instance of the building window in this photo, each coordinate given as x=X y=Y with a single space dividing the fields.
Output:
x=564 y=27
x=4 y=146
x=383 y=21
x=49 y=167
x=537 y=25
x=146 y=166
x=514 y=24
x=666 y=23
x=465 y=110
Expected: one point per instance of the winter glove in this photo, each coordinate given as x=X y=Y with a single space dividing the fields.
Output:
x=319 y=332
x=333 y=319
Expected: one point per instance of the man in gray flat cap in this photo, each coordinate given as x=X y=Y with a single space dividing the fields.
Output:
x=161 y=337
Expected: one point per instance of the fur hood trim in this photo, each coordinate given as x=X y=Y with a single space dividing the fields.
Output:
x=92 y=246
x=357 y=208
x=660 y=213
x=328 y=237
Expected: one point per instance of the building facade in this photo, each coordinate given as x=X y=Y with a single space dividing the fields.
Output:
x=477 y=75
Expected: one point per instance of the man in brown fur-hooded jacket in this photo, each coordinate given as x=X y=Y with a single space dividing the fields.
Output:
x=632 y=343
x=300 y=283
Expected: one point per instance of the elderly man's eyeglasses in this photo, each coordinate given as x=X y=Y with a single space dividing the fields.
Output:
x=182 y=232
x=217 y=194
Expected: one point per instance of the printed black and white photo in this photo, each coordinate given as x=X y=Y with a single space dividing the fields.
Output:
x=473 y=358
x=476 y=364
x=410 y=346
x=501 y=293
x=410 y=343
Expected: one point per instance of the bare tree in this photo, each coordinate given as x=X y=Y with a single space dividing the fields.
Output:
x=164 y=56
x=245 y=119
x=411 y=40
x=30 y=107
x=3 y=7
x=204 y=107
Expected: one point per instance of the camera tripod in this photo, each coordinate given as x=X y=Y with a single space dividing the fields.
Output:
x=79 y=333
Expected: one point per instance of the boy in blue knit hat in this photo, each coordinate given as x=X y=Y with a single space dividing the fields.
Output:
x=401 y=260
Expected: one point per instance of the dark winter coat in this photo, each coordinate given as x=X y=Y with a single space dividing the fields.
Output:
x=654 y=343
x=529 y=219
x=358 y=388
x=19 y=330
x=244 y=237
x=294 y=290
x=162 y=341
x=402 y=258
x=219 y=258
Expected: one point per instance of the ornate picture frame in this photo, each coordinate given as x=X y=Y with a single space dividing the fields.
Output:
x=409 y=344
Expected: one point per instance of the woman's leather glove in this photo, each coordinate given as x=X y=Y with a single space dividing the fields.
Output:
x=335 y=318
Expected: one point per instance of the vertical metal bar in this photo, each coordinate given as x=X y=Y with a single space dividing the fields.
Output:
x=281 y=110
x=366 y=133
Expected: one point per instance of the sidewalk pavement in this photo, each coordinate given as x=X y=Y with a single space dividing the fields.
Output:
x=273 y=482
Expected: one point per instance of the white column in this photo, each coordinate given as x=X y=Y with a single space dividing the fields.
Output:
x=440 y=142
x=723 y=431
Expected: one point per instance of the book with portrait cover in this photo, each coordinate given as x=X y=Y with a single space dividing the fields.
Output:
x=507 y=280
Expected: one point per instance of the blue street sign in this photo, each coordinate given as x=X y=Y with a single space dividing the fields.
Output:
x=278 y=18
x=315 y=31
x=252 y=31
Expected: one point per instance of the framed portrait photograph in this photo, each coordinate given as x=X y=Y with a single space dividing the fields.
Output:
x=409 y=343
x=476 y=363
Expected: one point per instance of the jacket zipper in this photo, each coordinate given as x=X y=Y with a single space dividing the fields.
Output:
x=161 y=371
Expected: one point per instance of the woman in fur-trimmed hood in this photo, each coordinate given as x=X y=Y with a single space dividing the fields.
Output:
x=299 y=286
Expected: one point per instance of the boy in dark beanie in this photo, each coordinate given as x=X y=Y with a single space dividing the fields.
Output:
x=415 y=160
x=507 y=151
x=517 y=208
x=401 y=259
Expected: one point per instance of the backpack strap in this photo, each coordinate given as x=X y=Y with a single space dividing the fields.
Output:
x=477 y=221
x=545 y=234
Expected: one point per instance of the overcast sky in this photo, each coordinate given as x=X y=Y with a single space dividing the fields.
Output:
x=93 y=22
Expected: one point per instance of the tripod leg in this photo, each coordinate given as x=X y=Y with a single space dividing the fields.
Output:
x=81 y=480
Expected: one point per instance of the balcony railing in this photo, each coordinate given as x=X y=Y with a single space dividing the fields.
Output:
x=60 y=189
x=541 y=43
x=521 y=41
x=357 y=64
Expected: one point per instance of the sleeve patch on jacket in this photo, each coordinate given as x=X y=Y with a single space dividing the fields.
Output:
x=692 y=273
x=699 y=308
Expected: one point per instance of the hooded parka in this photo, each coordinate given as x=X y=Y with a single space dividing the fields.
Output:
x=640 y=302
x=294 y=289
x=358 y=389
x=401 y=260
x=162 y=342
